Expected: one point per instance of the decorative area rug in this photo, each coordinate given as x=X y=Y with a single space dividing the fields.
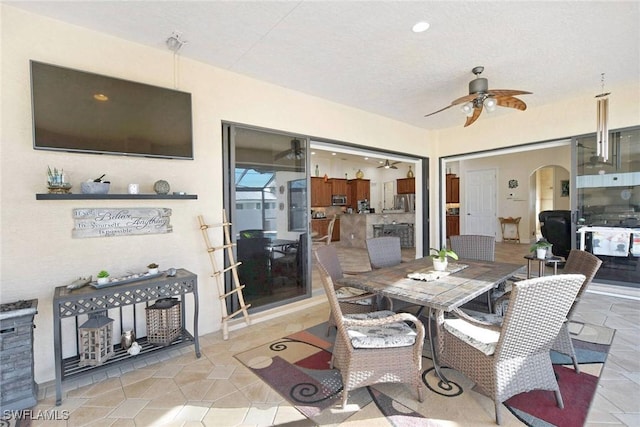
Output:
x=297 y=367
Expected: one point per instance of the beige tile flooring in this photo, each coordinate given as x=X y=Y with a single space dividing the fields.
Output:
x=216 y=390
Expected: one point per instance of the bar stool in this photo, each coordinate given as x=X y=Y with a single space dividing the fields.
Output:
x=503 y=225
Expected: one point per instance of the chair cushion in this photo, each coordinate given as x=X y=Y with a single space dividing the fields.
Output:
x=397 y=334
x=346 y=292
x=485 y=340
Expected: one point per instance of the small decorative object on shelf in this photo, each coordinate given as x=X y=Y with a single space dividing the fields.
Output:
x=153 y=268
x=95 y=338
x=127 y=339
x=317 y=171
x=161 y=187
x=359 y=174
x=410 y=173
x=103 y=277
x=440 y=258
x=56 y=181
x=163 y=321
x=95 y=186
x=542 y=248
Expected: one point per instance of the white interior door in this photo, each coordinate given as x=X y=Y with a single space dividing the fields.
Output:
x=479 y=208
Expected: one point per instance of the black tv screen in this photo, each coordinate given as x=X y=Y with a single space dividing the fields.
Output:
x=84 y=112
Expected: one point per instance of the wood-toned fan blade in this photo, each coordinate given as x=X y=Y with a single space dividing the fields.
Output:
x=474 y=117
x=281 y=155
x=511 y=102
x=436 y=112
x=464 y=99
x=507 y=92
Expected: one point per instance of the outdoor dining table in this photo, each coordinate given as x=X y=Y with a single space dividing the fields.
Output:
x=466 y=279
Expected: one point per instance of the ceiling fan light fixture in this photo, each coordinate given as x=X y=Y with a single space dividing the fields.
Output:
x=420 y=27
x=467 y=108
x=490 y=104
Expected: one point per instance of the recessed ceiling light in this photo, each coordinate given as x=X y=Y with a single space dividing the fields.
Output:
x=420 y=27
x=333 y=154
x=366 y=158
x=313 y=152
x=100 y=97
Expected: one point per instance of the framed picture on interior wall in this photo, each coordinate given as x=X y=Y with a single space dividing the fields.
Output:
x=564 y=188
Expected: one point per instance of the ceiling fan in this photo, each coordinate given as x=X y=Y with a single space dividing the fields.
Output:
x=388 y=165
x=296 y=152
x=481 y=97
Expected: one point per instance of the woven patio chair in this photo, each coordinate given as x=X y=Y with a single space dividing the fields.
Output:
x=386 y=251
x=351 y=300
x=376 y=347
x=479 y=248
x=578 y=262
x=514 y=357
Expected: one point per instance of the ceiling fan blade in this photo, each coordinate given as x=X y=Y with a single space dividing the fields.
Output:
x=281 y=154
x=436 y=112
x=511 y=102
x=474 y=117
x=507 y=92
x=464 y=99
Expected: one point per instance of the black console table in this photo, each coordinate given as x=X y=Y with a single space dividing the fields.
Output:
x=86 y=300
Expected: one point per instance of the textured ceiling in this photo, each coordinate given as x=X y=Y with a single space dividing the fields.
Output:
x=364 y=54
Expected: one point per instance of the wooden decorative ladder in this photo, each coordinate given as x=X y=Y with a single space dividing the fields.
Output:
x=217 y=273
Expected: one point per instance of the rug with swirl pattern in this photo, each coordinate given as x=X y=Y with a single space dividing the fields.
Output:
x=297 y=367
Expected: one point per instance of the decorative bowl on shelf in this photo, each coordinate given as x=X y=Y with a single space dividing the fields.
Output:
x=91 y=187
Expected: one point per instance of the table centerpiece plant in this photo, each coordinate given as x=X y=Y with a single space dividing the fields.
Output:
x=153 y=268
x=440 y=258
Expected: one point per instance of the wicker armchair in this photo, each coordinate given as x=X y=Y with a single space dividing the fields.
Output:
x=512 y=358
x=476 y=247
x=578 y=262
x=386 y=251
x=351 y=300
x=372 y=348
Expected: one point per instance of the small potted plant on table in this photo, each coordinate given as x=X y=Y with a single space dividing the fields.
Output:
x=542 y=247
x=103 y=277
x=440 y=258
x=153 y=268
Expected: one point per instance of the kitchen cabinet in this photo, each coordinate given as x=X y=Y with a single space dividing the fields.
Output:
x=453 y=188
x=320 y=192
x=406 y=186
x=360 y=190
x=335 y=235
x=338 y=186
x=453 y=225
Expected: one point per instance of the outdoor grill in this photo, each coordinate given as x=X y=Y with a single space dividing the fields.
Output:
x=18 y=389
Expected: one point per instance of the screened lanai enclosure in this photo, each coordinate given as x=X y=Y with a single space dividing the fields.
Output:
x=266 y=196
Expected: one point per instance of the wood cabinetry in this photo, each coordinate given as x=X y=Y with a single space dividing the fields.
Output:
x=320 y=192
x=406 y=186
x=338 y=186
x=453 y=225
x=453 y=188
x=359 y=190
x=335 y=235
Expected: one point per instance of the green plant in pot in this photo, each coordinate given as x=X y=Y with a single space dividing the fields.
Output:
x=153 y=268
x=440 y=258
x=103 y=277
x=541 y=247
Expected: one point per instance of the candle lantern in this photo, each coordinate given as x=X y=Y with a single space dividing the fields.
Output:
x=163 y=321
x=96 y=339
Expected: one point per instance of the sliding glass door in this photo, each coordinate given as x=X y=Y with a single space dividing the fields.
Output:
x=608 y=203
x=267 y=200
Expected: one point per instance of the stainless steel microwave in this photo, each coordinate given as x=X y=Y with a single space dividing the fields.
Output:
x=338 y=200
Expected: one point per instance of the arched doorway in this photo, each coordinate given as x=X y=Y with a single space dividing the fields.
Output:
x=549 y=190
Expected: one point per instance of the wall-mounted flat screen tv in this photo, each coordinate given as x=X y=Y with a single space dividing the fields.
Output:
x=90 y=113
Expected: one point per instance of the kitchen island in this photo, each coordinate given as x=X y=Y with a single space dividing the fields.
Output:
x=355 y=229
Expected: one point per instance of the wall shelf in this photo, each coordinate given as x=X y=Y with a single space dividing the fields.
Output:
x=70 y=196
